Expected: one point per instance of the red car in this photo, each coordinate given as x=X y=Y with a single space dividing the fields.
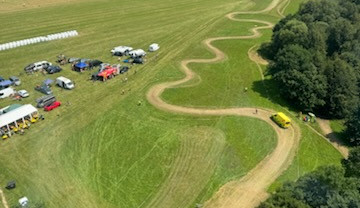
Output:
x=52 y=106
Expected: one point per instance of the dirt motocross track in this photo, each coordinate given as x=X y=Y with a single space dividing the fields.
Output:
x=250 y=190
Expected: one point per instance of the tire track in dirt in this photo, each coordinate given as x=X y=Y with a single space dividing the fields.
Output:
x=250 y=190
x=3 y=199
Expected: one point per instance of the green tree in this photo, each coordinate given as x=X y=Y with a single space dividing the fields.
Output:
x=325 y=187
x=300 y=78
x=286 y=196
x=340 y=32
x=292 y=32
x=353 y=127
x=342 y=89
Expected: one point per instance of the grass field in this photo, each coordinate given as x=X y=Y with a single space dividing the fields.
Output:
x=101 y=149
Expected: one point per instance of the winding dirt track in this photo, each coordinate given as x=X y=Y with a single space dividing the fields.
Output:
x=250 y=190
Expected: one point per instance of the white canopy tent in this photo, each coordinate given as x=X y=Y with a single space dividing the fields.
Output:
x=17 y=114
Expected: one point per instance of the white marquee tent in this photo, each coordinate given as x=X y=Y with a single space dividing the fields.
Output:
x=17 y=114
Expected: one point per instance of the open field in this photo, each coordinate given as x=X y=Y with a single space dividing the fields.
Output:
x=102 y=150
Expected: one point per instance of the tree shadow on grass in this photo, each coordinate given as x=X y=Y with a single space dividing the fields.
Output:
x=270 y=90
x=340 y=138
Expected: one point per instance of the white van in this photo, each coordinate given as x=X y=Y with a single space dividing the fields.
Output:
x=7 y=92
x=138 y=53
x=65 y=83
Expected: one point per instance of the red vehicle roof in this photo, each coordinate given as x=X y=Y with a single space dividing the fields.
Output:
x=52 y=106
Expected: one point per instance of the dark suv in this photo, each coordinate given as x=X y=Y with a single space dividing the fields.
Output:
x=53 y=69
x=124 y=69
x=44 y=89
x=94 y=63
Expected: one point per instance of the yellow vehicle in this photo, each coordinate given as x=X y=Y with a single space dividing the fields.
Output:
x=34 y=119
x=281 y=119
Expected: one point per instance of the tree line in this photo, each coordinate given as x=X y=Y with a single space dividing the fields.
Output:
x=328 y=186
x=315 y=59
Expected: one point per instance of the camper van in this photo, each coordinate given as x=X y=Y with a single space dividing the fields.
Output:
x=37 y=66
x=138 y=53
x=65 y=83
x=121 y=50
x=281 y=119
x=7 y=92
x=45 y=101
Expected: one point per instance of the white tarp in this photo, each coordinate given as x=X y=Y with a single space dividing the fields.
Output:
x=16 y=114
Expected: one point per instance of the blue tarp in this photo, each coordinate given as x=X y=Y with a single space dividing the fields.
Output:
x=5 y=83
x=48 y=81
x=81 y=65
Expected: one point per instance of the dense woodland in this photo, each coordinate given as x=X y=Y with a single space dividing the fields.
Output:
x=315 y=59
x=326 y=187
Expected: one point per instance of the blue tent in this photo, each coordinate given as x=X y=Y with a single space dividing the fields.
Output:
x=5 y=83
x=48 y=81
x=81 y=65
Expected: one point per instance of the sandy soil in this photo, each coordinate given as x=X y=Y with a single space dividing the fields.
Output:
x=331 y=137
x=3 y=199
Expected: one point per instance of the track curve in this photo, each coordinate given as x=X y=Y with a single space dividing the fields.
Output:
x=250 y=190
x=3 y=199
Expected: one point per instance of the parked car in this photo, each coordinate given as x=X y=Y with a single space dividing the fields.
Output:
x=124 y=69
x=138 y=61
x=85 y=60
x=53 y=69
x=72 y=60
x=52 y=106
x=44 y=89
x=94 y=63
x=37 y=66
x=23 y=93
x=15 y=80
x=45 y=100
x=5 y=84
